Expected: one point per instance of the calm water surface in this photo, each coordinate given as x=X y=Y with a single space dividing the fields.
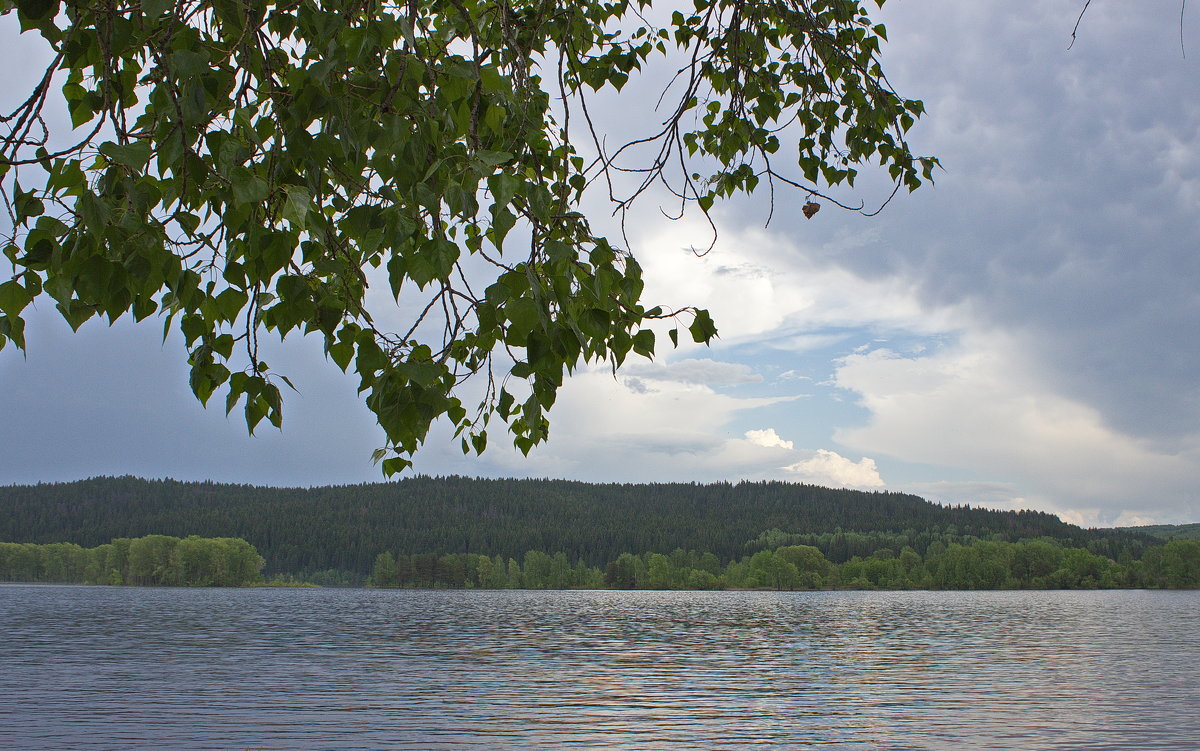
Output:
x=124 y=668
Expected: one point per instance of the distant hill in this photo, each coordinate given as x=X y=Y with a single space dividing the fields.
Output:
x=345 y=527
x=1167 y=531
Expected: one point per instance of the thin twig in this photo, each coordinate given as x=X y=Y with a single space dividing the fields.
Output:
x=1077 y=22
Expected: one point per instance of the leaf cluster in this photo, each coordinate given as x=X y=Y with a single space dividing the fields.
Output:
x=402 y=180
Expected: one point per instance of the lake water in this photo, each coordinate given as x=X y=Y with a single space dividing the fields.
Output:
x=131 y=668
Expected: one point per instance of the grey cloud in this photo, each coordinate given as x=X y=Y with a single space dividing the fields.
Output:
x=1069 y=211
x=636 y=385
x=744 y=271
x=697 y=371
x=665 y=444
x=999 y=495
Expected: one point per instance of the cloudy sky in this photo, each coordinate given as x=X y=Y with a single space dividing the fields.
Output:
x=1025 y=334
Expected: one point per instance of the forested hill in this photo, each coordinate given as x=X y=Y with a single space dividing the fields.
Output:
x=345 y=527
x=1167 y=531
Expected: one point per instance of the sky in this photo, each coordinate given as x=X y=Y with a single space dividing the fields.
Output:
x=1023 y=334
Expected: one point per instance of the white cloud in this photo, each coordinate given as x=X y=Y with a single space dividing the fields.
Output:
x=660 y=431
x=980 y=405
x=1130 y=519
x=764 y=287
x=767 y=438
x=1082 y=517
x=632 y=429
x=1103 y=517
x=833 y=469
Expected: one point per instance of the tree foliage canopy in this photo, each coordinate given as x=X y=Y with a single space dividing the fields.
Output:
x=239 y=167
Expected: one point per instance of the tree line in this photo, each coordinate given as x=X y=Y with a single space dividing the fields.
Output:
x=151 y=560
x=342 y=529
x=982 y=564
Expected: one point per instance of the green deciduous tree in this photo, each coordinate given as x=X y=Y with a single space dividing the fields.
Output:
x=384 y=573
x=195 y=561
x=624 y=572
x=811 y=565
x=316 y=165
x=452 y=569
x=239 y=563
x=150 y=559
x=535 y=573
x=768 y=570
x=1177 y=564
x=498 y=578
x=513 y=577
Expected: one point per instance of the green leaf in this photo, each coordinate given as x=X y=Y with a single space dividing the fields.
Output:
x=503 y=187
x=230 y=302
x=81 y=113
x=248 y=188
x=342 y=353
x=435 y=260
x=503 y=221
x=595 y=323
x=12 y=329
x=38 y=10
x=523 y=317
x=237 y=388
x=424 y=373
x=95 y=212
x=295 y=207
x=189 y=63
x=493 y=158
x=702 y=329
x=13 y=298
x=155 y=8
x=504 y=404
x=133 y=155
x=395 y=465
x=537 y=350
x=28 y=206
x=643 y=343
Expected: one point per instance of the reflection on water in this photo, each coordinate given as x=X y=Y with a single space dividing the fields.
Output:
x=116 y=668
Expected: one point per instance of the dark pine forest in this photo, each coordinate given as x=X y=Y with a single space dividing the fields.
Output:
x=345 y=527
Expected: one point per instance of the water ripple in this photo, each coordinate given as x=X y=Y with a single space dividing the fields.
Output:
x=115 y=668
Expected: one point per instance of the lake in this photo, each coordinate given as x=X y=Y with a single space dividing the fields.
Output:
x=146 y=668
